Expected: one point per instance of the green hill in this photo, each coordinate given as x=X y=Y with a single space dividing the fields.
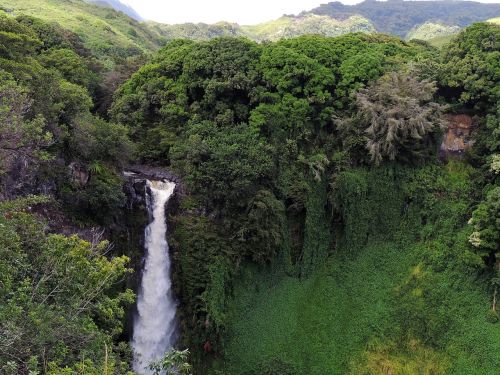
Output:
x=347 y=318
x=440 y=41
x=196 y=31
x=106 y=32
x=319 y=225
x=283 y=27
x=293 y=253
x=111 y=34
x=430 y=30
x=398 y=17
x=287 y=27
x=119 y=6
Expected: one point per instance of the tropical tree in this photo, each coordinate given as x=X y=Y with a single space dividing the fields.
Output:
x=399 y=117
x=20 y=138
x=471 y=65
x=57 y=303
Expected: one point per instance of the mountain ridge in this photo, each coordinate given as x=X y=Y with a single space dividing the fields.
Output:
x=119 y=6
x=398 y=17
x=111 y=30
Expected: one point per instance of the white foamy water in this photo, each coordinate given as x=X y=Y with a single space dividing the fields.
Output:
x=154 y=324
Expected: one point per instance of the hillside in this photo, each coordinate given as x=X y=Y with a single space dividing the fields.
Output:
x=345 y=318
x=398 y=17
x=196 y=31
x=111 y=31
x=109 y=34
x=429 y=31
x=321 y=233
x=119 y=6
x=288 y=27
x=288 y=205
x=496 y=20
x=284 y=27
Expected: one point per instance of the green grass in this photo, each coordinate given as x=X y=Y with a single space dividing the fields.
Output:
x=104 y=31
x=322 y=325
x=409 y=302
x=318 y=324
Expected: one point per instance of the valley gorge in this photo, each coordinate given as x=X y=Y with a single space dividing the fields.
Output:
x=312 y=204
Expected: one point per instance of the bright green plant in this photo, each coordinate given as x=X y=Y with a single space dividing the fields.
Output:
x=174 y=362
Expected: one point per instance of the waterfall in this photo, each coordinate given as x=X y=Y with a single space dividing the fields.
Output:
x=154 y=324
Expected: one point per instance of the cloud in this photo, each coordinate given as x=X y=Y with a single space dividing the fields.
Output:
x=243 y=12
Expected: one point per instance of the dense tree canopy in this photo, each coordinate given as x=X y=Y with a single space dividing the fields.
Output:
x=56 y=300
x=250 y=128
x=299 y=198
x=471 y=65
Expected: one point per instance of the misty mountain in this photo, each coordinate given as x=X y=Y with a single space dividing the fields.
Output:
x=399 y=17
x=118 y=5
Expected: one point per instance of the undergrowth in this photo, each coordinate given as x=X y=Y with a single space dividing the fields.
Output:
x=402 y=293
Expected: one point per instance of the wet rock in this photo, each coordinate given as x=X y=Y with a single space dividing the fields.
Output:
x=151 y=173
x=136 y=177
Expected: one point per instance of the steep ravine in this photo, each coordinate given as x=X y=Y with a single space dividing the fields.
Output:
x=135 y=238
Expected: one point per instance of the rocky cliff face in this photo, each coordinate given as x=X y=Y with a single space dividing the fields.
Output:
x=135 y=184
x=128 y=232
x=458 y=137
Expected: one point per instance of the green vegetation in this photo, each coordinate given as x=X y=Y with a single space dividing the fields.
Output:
x=45 y=93
x=399 y=17
x=406 y=289
x=399 y=118
x=57 y=304
x=284 y=27
x=119 y=6
x=315 y=230
x=107 y=33
x=429 y=31
x=471 y=66
x=198 y=31
x=173 y=363
x=440 y=41
x=415 y=20
x=288 y=27
x=61 y=308
x=113 y=36
x=275 y=142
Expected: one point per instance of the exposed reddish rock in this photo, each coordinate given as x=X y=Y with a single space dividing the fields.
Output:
x=458 y=137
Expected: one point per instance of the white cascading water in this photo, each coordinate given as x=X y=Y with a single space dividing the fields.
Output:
x=154 y=324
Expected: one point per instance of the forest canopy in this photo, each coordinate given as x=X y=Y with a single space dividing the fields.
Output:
x=277 y=144
x=312 y=191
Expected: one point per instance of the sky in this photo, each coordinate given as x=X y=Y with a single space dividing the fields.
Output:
x=245 y=12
